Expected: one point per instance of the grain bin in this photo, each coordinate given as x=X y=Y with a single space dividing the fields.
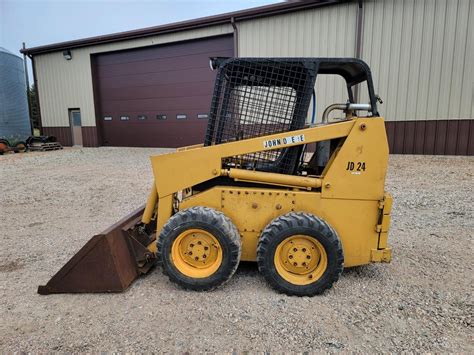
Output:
x=14 y=115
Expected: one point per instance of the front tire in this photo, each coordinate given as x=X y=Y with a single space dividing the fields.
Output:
x=199 y=248
x=300 y=254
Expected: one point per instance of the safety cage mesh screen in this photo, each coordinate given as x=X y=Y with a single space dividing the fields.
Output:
x=258 y=97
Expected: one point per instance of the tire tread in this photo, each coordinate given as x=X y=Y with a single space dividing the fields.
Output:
x=206 y=215
x=293 y=220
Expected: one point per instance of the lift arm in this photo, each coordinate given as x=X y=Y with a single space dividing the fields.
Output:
x=179 y=170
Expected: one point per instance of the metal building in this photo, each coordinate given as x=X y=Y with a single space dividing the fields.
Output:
x=14 y=115
x=152 y=87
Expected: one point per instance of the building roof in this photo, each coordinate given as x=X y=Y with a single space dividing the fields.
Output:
x=235 y=16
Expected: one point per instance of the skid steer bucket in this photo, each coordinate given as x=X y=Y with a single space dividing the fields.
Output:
x=108 y=262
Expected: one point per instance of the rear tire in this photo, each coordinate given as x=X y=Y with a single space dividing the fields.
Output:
x=199 y=248
x=300 y=254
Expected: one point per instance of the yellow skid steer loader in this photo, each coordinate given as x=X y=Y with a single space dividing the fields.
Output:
x=303 y=201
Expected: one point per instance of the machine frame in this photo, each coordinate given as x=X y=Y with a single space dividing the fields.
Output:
x=249 y=181
x=351 y=199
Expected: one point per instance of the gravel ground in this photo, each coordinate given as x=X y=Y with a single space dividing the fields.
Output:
x=52 y=203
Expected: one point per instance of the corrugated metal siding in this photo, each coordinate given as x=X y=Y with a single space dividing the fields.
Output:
x=324 y=32
x=66 y=84
x=440 y=137
x=90 y=137
x=14 y=115
x=62 y=85
x=421 y=54
x=62 y=134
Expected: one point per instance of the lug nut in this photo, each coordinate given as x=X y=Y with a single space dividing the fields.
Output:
x=199 y=242
x=206 y=248
x=295 y=264
x=304 y=249
x=290 y=257
x=196 y=258
x=191 y=245
x=190 y=253
x=308 y=257
x=204 y=256
x=294 y=249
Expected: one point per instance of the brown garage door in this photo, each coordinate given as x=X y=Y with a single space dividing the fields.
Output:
x=157 y=96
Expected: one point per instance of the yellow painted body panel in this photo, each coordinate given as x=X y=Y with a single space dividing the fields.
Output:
x=251 y=209
x=366 y=144
x=182 y=169
x=189 y=147
x=349 y=194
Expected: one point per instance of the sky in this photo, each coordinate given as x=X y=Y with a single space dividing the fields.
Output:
x=39 y=22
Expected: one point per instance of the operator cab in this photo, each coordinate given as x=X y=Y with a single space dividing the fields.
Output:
x=255 y=97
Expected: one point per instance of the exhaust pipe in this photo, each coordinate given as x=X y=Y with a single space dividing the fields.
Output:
x=323 y=148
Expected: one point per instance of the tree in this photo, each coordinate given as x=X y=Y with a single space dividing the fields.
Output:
x=34 y=107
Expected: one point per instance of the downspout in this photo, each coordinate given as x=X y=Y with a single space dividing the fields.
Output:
x=27 y=79
x=35 y=81
x=358 y=40
x=236 y=37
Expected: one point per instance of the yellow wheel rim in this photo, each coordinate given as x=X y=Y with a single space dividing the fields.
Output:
x=300 y=259
x=196 y=253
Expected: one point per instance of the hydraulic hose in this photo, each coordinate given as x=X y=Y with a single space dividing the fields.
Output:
x=314 y=109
